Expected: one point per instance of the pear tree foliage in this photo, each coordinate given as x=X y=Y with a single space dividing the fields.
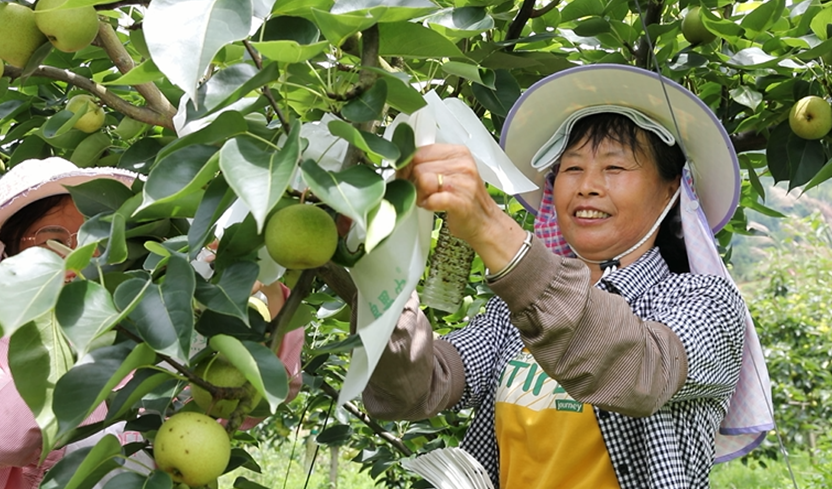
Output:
x=258 y=104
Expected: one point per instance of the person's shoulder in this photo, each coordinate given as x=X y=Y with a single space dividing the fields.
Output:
x=697 y=285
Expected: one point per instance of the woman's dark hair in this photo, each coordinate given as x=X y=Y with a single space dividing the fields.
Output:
x=13 y=229
x=596 y=128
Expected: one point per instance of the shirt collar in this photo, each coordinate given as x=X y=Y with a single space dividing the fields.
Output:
x=632 y=281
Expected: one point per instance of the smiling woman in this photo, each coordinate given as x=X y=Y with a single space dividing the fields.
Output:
x=602 y=362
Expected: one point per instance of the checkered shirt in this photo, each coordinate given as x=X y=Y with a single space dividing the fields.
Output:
x=673 y=448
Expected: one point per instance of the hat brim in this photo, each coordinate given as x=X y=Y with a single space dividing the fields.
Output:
x=56 y=185
x=544 y=106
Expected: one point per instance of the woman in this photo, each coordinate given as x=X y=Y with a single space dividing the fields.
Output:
x=35 y=209
x=602 y=362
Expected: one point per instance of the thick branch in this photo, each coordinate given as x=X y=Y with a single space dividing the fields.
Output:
x=111 y=44
x=142 y=114
x=516 y=27
x=748 y=141
x=339 y=280
x=364 y=418
x=366 y=78
x=652 y=16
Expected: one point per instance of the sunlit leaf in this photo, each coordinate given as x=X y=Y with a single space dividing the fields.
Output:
x=352 y=192
x=29 y=285
x=258 y=364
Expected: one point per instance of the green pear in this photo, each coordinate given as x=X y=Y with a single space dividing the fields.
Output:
x=20 y=35
x=694 y=29
x=301 y=237
x=193 y=448
x=69 y=30
x=222 y=373
x=93 y=118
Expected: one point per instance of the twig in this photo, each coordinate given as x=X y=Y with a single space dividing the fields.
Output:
x=125 y=3
x=280 y=324
x=142 y=114
x=115 y=50
x=364 y=418
x=258 y=61
x=516 y=27
x=540 y=12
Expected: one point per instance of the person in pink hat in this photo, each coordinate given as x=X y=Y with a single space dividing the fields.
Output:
x=37 y=210
x=617 y=352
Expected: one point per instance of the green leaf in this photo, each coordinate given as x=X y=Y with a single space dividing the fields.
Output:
x=99 y=195
x=410 y=40
x=184 y=37
x=146 y=72
x=89 y=150
x=747 y=96
x=753 y=57
x=290 y=51
x=144 y=381
x=260 y=174
x=763 y=16
x=85 y=311
x=369 y=105
x=592 y=27
x=385 y=10
x=61 y=123
x=39 y=353
x=81 y=469
x=501 y=100
x=470 y=72
x=380 y=223
x=338 y=434
x=132 y=480
x=87 y=384
x=582 y=8
x=793 y=158
x=181 y=173
x=259 y=365
x=400 y=93
x=405 y=140
x=223 y=127
x=230 y=85
x=230 y=295
x=337 y=28
x=352 y=192
x=218 y=198
x=377 y=148
x=820 y=21
x=822 y=175
x=461 y=23
x=29 y=285
x=164 y=316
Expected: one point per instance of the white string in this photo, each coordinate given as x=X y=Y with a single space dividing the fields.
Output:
x=613 y=267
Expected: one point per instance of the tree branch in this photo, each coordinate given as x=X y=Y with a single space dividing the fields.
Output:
x=366 y=78
x=516 y=27
x=109 y=41
x=652 y=16
x=142 y=114
x=125 y=3
x=280 y=324
x=748 y=141
x=258 y=61
x=364 y=418
x=540 y=12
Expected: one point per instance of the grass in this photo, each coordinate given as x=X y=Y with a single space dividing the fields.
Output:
x=774 y=475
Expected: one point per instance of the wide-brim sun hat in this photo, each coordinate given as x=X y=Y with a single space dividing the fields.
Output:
x=541 y=110
x=33 y=180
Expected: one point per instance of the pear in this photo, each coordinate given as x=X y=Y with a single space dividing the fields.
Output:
x=193 y=448
x=20 y=35
x=69 y=30
x=301 y=237
x=93 y=118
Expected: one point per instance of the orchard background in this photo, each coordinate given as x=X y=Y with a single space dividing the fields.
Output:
x=219 y=101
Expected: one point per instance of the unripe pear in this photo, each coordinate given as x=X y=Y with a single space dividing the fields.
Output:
x=20 y=35
x=193 y=448
x=694 y=30
x=69 y=30
x=222 y=373
x=811 y=117
x=93 y=119
x=301 y=237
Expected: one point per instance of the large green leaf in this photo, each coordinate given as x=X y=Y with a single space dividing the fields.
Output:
x=99 y=195
x=258 y=173
x=338 y=28
x=85 y=311
x=144 y=380
x=230 y=294
x=39 y=354
x=229 y=85
x=461 y=23
x=369 y=105
x=385 y=10
x=258 y=364
x=218 y=198
x=81 y=469
x=184 y=35
x=411 y=40
x=88 y=383
x=376 y=147
x=352 y=192
x=763 y=16
x=164 y=316
x=89 y=151
x=181 y=173
x=290 y=51
x=793 y=158
x=145 y=72
x=29 y=285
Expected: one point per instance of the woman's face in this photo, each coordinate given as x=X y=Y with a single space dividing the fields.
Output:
x=65 y=214
x=607 y=200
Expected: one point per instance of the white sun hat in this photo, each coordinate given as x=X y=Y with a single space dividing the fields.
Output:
x=33 y=180
x=546 y=105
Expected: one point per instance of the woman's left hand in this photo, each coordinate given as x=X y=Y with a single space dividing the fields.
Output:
x=446 y=179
